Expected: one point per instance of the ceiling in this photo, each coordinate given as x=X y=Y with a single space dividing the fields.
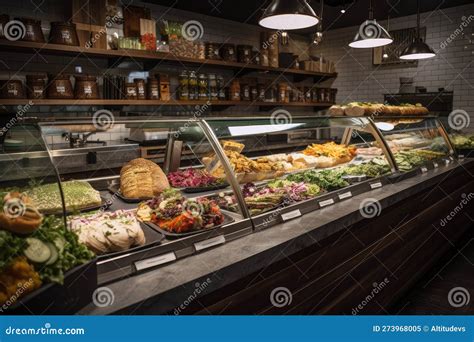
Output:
x=249 y=11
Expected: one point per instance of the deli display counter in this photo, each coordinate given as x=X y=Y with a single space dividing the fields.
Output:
x=139 y=194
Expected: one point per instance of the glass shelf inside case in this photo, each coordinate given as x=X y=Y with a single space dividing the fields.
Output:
x=416 y=143
x=159 y=201
x=288 y=168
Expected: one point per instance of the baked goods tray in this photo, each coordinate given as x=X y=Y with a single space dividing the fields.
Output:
x=227 y=220
x=115 y=190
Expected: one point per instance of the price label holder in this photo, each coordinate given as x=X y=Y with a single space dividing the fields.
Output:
x=375 y=185
x=326 y=203
x=155 y=261
x=424 y=169
x=447 y=161
x=290 y=215
x=345 y=195
x=460 y=156
x=204 y=244
x=435 y=165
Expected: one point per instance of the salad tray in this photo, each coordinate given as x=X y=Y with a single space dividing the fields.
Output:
x=227 y=220
x=103 y=205
x=115 y=190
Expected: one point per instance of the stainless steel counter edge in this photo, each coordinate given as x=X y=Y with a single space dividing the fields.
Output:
x=164 y=289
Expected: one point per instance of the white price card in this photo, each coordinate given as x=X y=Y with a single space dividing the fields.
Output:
x=375 y=185
x=155 y=261
x=435 y=165
x=325 y=203
x=290 y=215
x=218 y=240
x=424 y=169
x=345 y=195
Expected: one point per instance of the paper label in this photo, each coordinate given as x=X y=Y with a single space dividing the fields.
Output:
x=290 y=215
x=345 y=195
x=375 y=185
x=435 y=165
x=325 y=203
x=218 y=240
x=424 y=169
x=155 y=261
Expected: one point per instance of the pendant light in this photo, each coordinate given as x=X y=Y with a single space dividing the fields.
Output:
x=318 y=35
x=418 y=49
x=288 y=15
x=371 y=34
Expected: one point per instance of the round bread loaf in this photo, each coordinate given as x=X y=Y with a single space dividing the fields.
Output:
x=141 y=178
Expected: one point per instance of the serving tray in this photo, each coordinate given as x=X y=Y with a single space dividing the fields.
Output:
x=227 y=220
x=115 y=190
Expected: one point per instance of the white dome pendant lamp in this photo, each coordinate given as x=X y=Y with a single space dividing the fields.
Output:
x=288 y=15
x=371 y=34
x=418 y=49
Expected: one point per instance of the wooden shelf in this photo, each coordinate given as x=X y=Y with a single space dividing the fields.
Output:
x=151 y=59
x=100 y=102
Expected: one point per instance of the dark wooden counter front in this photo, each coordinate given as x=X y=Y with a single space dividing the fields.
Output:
x=332 y=261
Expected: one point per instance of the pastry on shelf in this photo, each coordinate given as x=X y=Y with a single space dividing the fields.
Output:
x=19 y=214
x=141 y=178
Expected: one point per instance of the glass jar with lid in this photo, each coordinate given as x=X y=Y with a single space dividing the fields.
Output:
x=203 y=87
x=183 y=86
x=193 y=86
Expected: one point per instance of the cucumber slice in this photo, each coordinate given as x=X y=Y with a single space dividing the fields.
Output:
x=37 y=251
x=54 y=254
x=60 y=243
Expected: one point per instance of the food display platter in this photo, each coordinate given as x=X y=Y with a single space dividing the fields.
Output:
x=227 y=220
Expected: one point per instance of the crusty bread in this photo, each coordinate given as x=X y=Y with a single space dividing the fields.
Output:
x=142 y=178
x=336 y=110
x=353 y=109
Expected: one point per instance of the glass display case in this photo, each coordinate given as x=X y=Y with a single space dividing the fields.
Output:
x=140 y=193
x=460 y=134
x=416 y=143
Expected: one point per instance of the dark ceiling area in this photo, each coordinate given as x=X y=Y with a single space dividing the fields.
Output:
x=249 y=11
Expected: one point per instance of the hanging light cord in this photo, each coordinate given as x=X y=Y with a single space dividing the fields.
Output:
x=371 y=11
x=417 y=19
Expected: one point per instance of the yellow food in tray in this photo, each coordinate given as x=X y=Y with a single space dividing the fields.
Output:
x=339 y=153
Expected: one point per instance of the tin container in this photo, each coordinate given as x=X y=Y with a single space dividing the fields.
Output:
x=228 y=53
x=35 y=86
x=153 y=89
x=86 y=87
x=59 y=87
x=141 y=88
x=13 y=89
x=130 y=91
x=33 y=32
x=63 y=33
